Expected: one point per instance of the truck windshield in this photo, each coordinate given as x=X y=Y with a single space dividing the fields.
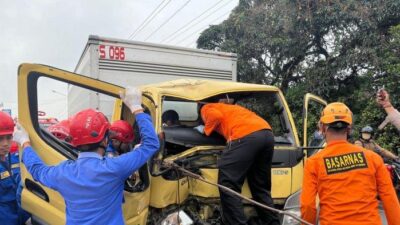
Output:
x=184 y=113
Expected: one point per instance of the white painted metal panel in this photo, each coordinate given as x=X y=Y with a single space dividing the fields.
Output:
x=144 y=63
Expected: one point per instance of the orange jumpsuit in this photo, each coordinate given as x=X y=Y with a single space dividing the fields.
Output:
x=248 y=155
x=347 y=179
x=231 y=121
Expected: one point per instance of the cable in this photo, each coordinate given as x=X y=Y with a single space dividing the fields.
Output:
x=166 y=21
x=187 y=24
x=151 y=19
x=176 y=34
x=202 y=28
x=134 y=32
x=226 y=189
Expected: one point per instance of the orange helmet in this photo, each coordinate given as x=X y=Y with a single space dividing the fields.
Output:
x=336 y=112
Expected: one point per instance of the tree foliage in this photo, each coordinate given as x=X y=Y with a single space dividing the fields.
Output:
x=342 y=50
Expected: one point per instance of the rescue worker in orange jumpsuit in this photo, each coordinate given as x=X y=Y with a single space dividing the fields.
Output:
x=249 y=151
x=347 y=178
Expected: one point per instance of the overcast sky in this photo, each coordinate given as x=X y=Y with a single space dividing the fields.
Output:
x=54 y=32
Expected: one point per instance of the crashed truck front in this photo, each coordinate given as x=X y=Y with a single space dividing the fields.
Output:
x=171 y=191
x=153 y=194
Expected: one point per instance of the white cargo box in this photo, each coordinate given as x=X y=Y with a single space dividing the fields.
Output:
x=133 y=63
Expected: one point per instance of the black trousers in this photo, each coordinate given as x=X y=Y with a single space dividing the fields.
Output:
x=251 y=157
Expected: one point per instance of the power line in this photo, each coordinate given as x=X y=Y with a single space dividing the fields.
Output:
x=202 y=28
x=150 y=18
x=187 y=29
x=147 y=18
x=187 y=24
x=166 y=21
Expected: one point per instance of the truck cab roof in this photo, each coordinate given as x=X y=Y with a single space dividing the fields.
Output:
x=196 y=90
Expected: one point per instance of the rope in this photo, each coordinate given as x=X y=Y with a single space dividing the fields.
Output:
x=198 y=177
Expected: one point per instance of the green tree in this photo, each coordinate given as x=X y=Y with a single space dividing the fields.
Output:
x=318 y=41
x=342 y=50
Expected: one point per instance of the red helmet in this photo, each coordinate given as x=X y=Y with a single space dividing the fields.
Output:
x=13 y=147
x=88 y=127
x=122 y=131
x=6 y=124
x=60 y=130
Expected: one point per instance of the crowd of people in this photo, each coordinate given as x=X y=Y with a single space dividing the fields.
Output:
x=347 y=178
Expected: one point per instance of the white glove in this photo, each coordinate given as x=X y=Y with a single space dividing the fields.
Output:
x=20 y=135
x=136 y=146
x=199 y=129
x=132 y=98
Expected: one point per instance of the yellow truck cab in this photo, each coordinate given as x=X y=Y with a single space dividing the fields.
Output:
x=158 y=194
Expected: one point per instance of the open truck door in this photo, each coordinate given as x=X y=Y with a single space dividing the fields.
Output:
x=39 y=89
x=312 y=108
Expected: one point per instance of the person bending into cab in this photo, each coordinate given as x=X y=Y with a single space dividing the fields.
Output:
x=170 y=118
x=249 y=151
x=92 y=186
x=346 y=177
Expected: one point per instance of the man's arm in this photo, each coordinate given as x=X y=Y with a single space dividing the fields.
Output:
x=46 y=175
x=387 y=194
x=309 y=193
x=211 y=117
x=386 y=153
x=393 y=116
x=132 y=161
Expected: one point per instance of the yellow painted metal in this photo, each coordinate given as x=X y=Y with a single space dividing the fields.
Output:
x=135 y=208
x=162 y=192
x=49 y=213
x=201 y=189
x=290 y=117
x=117 y=111
x=307 y=99
x=281 y=182
x=141 y=219
x=165 y=192
x=297 y=180
x=200 y=89
x=53 y=212
x=193 y=151
x=197 y=90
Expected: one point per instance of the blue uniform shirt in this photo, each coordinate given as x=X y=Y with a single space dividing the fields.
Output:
x=8 y=190
x=92 y=186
